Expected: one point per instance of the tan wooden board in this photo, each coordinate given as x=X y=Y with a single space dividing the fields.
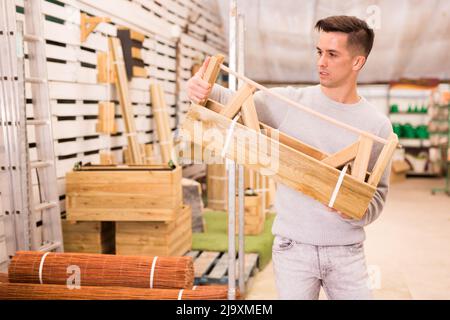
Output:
x=139 y=72
x=161 y=117
x=125 y=102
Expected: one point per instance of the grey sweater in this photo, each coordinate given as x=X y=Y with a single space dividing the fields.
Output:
x=299 y=217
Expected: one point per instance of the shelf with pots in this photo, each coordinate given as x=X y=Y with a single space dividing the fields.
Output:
x=413 y=115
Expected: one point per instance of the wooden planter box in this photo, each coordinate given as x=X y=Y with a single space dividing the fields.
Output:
x=298 y=170
x=254 y=216
x=172 y=238
x=123 y=193
x=88 y=236
x=217 y=184
x=294 y=163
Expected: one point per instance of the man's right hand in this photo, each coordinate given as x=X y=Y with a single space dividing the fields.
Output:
x=198 y=89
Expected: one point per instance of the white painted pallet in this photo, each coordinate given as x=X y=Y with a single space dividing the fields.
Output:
x=74 y=91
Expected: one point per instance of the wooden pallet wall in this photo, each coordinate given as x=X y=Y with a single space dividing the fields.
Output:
x=72 y=73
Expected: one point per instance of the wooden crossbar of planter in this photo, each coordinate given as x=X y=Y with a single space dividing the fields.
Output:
x=123 y=193
x=301 y=167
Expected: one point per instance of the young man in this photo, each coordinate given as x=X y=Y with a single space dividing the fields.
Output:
x=316 y=246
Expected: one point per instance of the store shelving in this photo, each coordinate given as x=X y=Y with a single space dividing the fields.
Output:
x=411 y=110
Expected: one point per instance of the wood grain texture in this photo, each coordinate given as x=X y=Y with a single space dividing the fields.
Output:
x=123 y=195
x=106 y=122
x=342 y=156
x=254 y=216
x=149 y=238
x=362 y=158
x=125 y=102
x=161 y=117
x=295 y=169
x=237 y=100
x=212 y=71
x=88 y=236
x=216 y=186
x=139 y=72
x=282 y=137
x=249 y=115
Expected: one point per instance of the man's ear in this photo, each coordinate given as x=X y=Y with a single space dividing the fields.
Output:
x=358 y=63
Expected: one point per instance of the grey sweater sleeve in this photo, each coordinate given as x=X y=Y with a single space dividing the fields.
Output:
x=220 y=94
x=267 y=107
x=376 y=205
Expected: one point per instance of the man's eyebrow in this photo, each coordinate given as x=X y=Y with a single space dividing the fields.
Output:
x=331 y=50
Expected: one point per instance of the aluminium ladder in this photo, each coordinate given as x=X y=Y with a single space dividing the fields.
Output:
x=45 y=165
x=13 y=174
x=46 y=201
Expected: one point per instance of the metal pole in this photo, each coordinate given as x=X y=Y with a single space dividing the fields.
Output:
x=241 y=196
x=231 y=167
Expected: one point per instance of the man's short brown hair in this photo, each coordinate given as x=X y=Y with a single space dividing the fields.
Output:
x=360 y=36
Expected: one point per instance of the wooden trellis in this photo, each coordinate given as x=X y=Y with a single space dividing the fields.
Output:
x=301 y=166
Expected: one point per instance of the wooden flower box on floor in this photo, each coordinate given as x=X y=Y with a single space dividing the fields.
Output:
x=172 y=238
x=254 y=216
x=88 y=236
x=217 y=186
x=123 y=193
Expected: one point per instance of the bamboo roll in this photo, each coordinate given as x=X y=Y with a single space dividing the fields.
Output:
x=102 y=270
x=27 y=291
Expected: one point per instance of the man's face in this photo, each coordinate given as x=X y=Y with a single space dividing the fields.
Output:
x=335 y=60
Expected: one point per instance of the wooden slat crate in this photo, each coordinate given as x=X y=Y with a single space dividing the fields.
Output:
x=172 y=238
x=123 y=193
x=254 y=216
x=296 y=164
x=88 y=236
x=216 y=186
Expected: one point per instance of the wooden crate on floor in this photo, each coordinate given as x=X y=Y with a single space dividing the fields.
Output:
x=123 y=193
x=254 y=215
x=88 y=236
x=216 y=186
x=147 y=238
x=262 y=185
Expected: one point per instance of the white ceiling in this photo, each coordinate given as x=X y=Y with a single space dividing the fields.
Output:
x=412 y=37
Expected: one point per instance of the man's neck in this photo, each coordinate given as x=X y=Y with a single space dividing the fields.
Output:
x=344 y=94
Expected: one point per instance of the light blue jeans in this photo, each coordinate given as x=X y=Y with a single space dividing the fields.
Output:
x=301 y=269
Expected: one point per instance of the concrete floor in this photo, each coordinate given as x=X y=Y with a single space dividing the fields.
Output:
x=407 y=248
